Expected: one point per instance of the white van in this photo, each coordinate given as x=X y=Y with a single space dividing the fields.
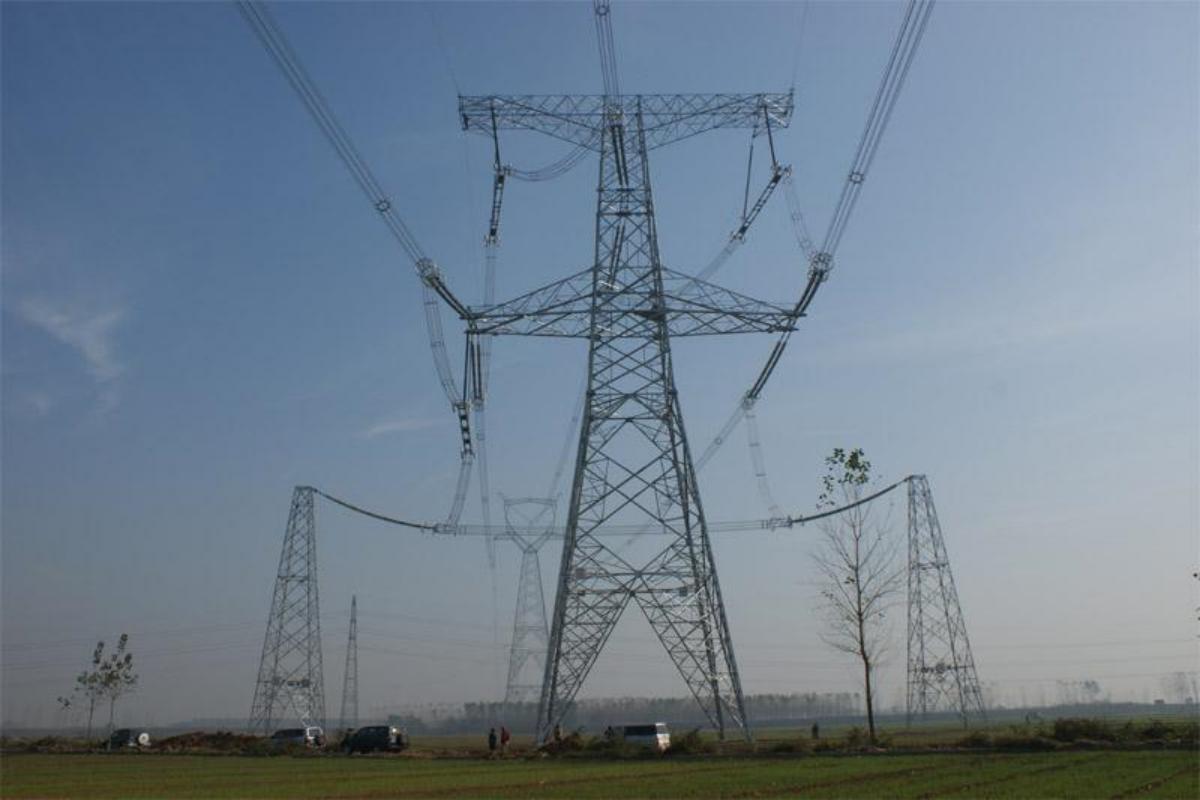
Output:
x=656 y=735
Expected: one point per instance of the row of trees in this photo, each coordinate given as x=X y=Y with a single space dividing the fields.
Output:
x=598 y=713
x=107 y=679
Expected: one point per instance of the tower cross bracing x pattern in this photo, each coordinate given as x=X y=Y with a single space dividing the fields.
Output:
x=633 y=462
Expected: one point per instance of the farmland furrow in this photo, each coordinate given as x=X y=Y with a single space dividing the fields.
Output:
x=870 y=778
x=498 y=786
x=1003 y=778
x=1154 y=784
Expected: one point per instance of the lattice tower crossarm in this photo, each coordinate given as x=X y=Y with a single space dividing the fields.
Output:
x=349 y=715
x=585 y=119
x=290 y=677
x=941 y=669
x=633 y=462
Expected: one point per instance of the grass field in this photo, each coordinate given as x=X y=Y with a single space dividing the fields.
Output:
x=1101 y=774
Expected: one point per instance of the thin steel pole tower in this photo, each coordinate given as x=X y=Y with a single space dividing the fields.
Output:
x=633 y=461
x=349 y=715
x=941 y=669
x=290 y=677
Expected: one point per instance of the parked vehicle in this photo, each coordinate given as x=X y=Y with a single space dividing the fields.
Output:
x=128 y=737
x=656 y=735
x=375 y=738
x=312 y=736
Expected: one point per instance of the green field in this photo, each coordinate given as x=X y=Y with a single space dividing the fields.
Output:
x=1146 y=774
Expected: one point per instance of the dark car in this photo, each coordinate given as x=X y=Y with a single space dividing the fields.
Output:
x=376 y=737
x=127 y=737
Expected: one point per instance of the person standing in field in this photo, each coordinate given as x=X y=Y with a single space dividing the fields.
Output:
x=492 y=742
x=505 y=737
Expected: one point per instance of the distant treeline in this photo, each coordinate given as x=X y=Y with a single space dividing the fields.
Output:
x=598 y=714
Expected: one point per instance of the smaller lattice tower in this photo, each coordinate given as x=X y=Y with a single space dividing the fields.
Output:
x=349 y=716
x=530 y=524
x=290 y=678
x=941 y=669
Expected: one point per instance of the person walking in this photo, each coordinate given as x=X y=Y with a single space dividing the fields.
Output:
x=492 y=743
x=505 y=737
x=816 y=731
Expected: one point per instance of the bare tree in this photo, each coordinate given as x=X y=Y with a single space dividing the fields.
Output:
x=1091 y=691
x=1182 y=686
x=859 y=569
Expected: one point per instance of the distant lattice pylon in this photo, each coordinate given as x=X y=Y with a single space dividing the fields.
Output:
x=941 y=669
x=290 y=678
x=530 y=524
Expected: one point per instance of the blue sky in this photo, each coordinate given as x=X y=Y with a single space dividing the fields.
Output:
x=199 y=311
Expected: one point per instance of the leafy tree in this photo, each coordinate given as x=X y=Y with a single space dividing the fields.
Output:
x=116 y=677
x=107 y=679
x=88 y=685
x=857 y=563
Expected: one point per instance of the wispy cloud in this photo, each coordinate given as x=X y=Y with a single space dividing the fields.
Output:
x=403 y=425
x=90 y=332
x=40 y=403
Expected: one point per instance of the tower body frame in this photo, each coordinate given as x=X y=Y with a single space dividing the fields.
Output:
x=633 y=460
x=941 y=668
x=529 y=523
x=290 y=672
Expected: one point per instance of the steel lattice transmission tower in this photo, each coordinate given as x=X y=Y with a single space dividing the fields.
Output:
x=530 y=524
x=941 y=669
x=349 y=715
x=290 y=677
x=633 y=463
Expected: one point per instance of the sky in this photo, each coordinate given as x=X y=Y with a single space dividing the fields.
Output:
x=200 y=311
